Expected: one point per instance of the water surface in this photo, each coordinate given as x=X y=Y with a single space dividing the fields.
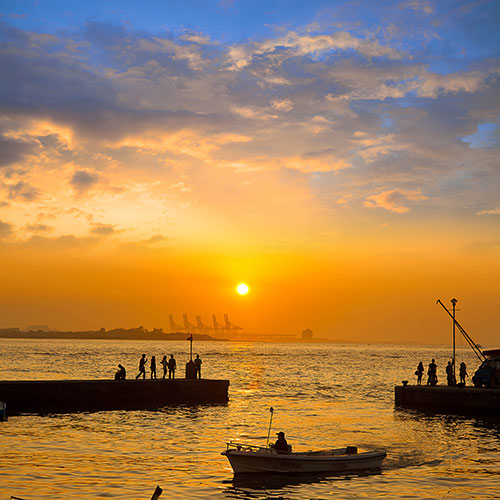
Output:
x=324 y=395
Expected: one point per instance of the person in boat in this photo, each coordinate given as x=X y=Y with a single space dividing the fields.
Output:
x=281 y=446
x=432 y=373
x=197 y=362
x=172 y=365
x=153 y=366
x=142 y=367
x=121 y=373
x=164 y=363
x=419 y=372
x=463 y=372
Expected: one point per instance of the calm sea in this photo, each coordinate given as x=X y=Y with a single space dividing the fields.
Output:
x=324 y=395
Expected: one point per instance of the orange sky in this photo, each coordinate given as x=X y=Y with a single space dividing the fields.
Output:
x=350 y=179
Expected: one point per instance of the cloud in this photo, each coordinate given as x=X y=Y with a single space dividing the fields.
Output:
x=394 y=200
x=491 y=211
x=102 y=229
x=38 y=228
x=13 y=151
x=431 y=84
x=372 y=147
x=24 y=191
x=83 y=180
x=295 y=44
x=6 y=229
x=163 y=124
x=66 y=242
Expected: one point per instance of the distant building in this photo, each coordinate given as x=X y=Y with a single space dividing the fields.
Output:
x=307 y=334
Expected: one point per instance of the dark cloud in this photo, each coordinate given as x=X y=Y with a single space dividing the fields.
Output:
x=46 y=80
x=24 y=191
x=157 y=238
x=6 y=229
x=102 y=229
x=38 y=228
x=13 y=151
x=82 y=180
x=66 y=242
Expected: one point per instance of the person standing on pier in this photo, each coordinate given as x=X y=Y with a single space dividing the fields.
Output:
x=142 y=367
x=419 y=372
x=432 y=373
x=449 y=374
x=197 y=362
x=172 y=365
x=463 y=372
x=153 y=367
x=164 y=363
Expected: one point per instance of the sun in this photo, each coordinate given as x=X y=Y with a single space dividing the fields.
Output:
x=242 y=288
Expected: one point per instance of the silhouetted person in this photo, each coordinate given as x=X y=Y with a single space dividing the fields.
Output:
x=432 y=373
x=449 y=374
x=463 y=372
x=164 y=363
x=419 y=372
x=121 y=373
x=172 y=365
x=153 y=366
x=197 y=362
x=281 y=445
x=142 y=367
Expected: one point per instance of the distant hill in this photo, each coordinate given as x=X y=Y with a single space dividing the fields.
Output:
x=139 y=333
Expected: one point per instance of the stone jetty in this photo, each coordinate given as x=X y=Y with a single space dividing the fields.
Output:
x=459 y=400
x=67 y=396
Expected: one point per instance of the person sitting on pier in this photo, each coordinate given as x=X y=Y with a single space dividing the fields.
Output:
x=172 y=365
x=121 y=373
x=432 y=373
x=419 y=372
x=197 y=362
x=164 y=363
x=463 y=372
x=142 y=367
x=153 y=367
x=281 y=446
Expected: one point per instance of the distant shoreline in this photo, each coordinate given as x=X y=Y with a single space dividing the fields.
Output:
x=159 y=334
x=133 y=334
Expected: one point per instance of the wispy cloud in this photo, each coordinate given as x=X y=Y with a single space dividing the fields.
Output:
x=394 y=200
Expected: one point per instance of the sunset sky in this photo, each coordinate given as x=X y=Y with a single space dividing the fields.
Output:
x=341 y=158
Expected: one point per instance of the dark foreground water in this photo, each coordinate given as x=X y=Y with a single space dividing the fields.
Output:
x=324 y=395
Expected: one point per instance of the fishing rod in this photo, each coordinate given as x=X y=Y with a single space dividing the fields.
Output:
x=473 y=345
x=271 y=410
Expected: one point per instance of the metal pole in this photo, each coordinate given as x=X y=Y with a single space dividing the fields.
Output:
x=270 y=422
x=454 y=303
x=473 y=345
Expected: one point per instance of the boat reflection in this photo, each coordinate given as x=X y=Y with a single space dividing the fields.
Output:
x=246 y=486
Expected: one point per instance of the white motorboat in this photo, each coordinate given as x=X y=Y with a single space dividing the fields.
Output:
x=246 y=458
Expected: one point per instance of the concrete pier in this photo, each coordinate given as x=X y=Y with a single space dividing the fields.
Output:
x=459 y=400
x=66 y=396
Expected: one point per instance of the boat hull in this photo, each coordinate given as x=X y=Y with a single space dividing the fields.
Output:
x=244 y=462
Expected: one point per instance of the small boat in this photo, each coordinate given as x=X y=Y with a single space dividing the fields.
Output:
x=245 y=458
